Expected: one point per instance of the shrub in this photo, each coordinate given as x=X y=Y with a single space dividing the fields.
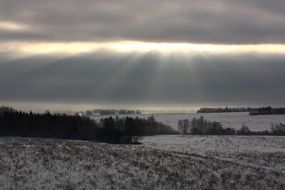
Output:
x=278 y=129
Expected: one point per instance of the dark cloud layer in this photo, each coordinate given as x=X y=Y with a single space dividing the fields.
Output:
x=144 y=78
x=203 y=21
x=177 y=78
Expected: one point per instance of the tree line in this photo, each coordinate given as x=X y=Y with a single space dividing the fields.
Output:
x=252 y=111
x=112 y=130
x=201 y=126
x=226 y=110
x=90 y=113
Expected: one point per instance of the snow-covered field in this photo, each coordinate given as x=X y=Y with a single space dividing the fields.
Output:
x=162 y=162
x=260 y=151
x=233 y=120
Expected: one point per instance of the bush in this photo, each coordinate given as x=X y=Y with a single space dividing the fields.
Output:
x=244 y=130
x=278 y=129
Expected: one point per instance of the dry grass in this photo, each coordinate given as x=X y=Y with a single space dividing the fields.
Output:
x=56 y=164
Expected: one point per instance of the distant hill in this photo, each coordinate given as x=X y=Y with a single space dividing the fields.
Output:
x=94 y=112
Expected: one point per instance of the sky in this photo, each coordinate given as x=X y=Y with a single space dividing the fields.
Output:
x=79 y=54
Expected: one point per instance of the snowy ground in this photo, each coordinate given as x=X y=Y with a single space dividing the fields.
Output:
x=260 y=151
x=182 y=163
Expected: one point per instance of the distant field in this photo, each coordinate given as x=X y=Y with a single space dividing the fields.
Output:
x=162 y=162
x=233 y=120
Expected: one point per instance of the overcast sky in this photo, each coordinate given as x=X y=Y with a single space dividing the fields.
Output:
x=142 y=52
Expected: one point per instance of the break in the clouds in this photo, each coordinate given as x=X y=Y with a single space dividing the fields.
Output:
x=143 y=52
x=203 y=21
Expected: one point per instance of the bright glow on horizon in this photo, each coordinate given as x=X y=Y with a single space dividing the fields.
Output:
x=140 y=47
x=75 y=106
x=12 y=26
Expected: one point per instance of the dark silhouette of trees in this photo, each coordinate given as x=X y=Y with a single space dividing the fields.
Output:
x=110 y=112
x=252 y=111
x=226 y=110
x=183 y=126
x=201 y=126
x=244 y=130
x=47 y=125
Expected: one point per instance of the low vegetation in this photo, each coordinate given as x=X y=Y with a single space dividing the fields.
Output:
x=31 y=163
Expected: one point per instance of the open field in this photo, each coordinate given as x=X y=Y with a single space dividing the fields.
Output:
x=59 y=164
x=259 y=151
